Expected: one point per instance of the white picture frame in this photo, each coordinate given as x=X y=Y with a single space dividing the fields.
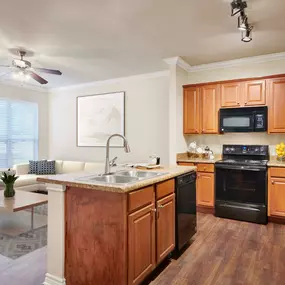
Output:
x=98 y=117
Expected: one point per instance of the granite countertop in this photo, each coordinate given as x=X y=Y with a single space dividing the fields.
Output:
x=183 y=157
x=274 y=162
x=73 y=179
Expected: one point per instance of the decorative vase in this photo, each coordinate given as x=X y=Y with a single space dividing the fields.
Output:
x=9 y=191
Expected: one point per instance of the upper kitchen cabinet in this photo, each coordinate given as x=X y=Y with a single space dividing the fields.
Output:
x=230 y=94
x=210 y=104
x=191 y=116
x=276 y=98
x=254 y=93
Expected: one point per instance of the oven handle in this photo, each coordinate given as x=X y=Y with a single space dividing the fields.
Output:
x=246 y=168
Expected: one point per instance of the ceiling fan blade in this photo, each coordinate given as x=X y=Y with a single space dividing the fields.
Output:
x=51 y=71
x=38 y=78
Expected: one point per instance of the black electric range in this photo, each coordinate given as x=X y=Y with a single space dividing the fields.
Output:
x=241 y=183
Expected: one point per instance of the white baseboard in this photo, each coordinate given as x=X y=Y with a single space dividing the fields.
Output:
x=53 y=280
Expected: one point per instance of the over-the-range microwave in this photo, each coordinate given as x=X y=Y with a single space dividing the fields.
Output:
x=248 y=119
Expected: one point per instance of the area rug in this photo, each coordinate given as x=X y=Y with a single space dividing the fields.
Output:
x=16 y=246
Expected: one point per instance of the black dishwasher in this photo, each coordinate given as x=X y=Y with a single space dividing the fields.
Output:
x=186 y=217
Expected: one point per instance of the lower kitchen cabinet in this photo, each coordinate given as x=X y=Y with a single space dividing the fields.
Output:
x=276 y=192
x=141 y=244
x=165 y=237
x=151 y=229
x=205 y=189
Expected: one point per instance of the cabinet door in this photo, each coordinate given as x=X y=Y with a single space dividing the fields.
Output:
x=141 y=244
x=276 y=97
x=254 y=93
x=230 y=94
x=276 y=197
x=210 y=108
x=191 y=110
x=165 y=234
x=205 y=189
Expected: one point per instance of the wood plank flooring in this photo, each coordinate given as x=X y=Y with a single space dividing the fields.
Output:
x=225 y=252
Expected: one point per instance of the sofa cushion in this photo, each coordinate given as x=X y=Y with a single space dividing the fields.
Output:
x=58 y=166
x=33 y=166
x=94 y=166
x=26 y=179
x=72 y=166
x=22 y=168
x=46 y=167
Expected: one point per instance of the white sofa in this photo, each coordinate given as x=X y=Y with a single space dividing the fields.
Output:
x=28 y=182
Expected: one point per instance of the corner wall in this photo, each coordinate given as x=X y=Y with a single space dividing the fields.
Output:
x=146 y=120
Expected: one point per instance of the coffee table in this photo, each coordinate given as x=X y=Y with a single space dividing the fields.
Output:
x=21 y=201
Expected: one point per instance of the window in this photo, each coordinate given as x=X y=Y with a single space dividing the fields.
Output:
x=18 y=132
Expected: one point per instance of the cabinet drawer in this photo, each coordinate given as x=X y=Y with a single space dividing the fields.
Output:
x=277 y=172
x=186 y=163
x=165 y=188
x=140 y=198
x=205 y=167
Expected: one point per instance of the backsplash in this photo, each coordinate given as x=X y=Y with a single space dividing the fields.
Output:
x=215 y=142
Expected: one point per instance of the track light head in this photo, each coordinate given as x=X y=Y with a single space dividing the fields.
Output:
x=247 y=34
x=238 y=6
x=242 y=22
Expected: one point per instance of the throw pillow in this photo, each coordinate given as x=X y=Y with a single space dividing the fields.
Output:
x=46 y=167
x=33 y=167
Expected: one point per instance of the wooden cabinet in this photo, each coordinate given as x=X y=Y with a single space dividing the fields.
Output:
x=205 y=189
x=141 y=244
x=165 y=237
x=209 y=108
x=254 y=93
x=201 y=106
x=230 y=94
x=276 y=192
x=276 y=189
x=276 y=113
x=191 y=120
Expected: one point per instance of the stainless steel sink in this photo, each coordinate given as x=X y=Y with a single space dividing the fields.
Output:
x=122 y=177
x=140 y=174
x=111 y=179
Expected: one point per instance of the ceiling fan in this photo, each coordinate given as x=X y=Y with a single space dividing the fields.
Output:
x=23 y=69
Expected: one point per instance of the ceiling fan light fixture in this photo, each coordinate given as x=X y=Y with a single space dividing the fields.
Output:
x=237 y=6
x=247 y=35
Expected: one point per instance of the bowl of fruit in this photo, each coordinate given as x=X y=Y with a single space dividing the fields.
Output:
x=280 y=151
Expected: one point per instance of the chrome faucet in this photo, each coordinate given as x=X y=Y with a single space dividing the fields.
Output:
x=107 y=163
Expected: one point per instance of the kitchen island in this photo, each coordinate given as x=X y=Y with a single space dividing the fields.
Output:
x=106 y=233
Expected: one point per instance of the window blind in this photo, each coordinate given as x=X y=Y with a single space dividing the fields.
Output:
x=18 y=132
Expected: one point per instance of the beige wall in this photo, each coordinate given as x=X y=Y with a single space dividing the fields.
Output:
x=20 y=93
x=245 y=71
x=146 y=120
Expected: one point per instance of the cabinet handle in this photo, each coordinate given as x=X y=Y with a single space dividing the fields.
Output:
x=245 y=103
x=153 y=210
x=272 y=182
x=160 y=206
x=238 y=103
x=204 y=168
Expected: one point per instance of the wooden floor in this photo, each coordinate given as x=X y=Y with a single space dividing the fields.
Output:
x=225 y=252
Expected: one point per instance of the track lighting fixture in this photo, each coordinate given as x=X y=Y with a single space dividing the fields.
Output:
x=242 y=22
x=238 y=6
x=247 y=35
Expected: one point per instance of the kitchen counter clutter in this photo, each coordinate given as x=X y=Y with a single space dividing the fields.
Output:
x=121 y=232
x=183 y=157
x=273 y=162
x=75 y=179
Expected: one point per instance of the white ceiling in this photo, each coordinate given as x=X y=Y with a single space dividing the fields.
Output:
x=95 y=40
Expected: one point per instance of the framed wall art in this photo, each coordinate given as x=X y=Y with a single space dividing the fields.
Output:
x=98 y=117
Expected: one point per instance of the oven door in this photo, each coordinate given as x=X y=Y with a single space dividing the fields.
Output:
x=236 y=123
x=241 y=184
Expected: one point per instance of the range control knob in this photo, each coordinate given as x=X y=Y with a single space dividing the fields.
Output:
x=256 y=149
x=232 y=149
x=228 y=149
